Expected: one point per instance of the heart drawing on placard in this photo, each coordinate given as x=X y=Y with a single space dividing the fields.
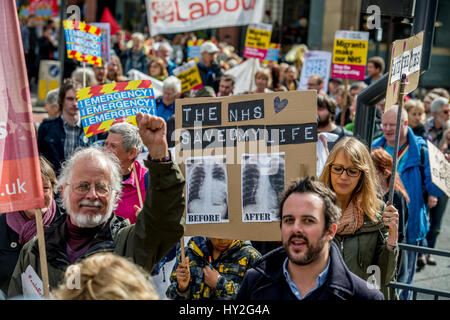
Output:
x=279 y=104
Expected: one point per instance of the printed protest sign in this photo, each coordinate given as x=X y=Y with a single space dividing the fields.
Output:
x=257 y=40
x=193 y=49
x=189 y=76
x=104 y=105
x=105 y=29
x=238 y=153
x=173 y=16
x=43 y=9
x=83 y=42
x=316 y=62
x=350 y=54
x=439 y=168
x=405 y=59
x=273 y=53
x=20 y=174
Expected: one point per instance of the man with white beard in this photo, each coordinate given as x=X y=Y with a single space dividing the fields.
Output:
x=90 y=184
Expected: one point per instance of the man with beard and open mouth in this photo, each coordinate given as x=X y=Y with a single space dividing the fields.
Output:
x=309 y=266
x=90 y=184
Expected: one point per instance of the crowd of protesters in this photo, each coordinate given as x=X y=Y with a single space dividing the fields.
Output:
x=332 y=229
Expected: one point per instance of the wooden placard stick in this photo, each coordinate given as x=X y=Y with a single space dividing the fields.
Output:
x=401 y=95
x=344 y=103
x=138 y=187
x=42 y=253
x=182 y=248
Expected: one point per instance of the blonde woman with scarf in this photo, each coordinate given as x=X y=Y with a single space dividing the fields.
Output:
x=367 y=232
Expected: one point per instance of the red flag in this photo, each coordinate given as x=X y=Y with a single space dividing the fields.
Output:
x=20 y=175
x=108 y=17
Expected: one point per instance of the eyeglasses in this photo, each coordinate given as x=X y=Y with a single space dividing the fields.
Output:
x=82 y=188
x=351 y=172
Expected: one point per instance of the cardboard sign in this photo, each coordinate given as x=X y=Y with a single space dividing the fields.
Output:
x=174 y=16
x=84 y=42
x=238 y=153
x=316 y=62
x=273 y=53
x=439 y=168
x=257 y=40
x=189 y=76
x=405 y=59
x=104 y=105
x=350 y=55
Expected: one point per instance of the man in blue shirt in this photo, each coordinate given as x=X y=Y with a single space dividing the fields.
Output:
x=165 y=104
x=309 y=266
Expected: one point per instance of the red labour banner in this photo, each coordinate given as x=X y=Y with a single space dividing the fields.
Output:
x=20 y=175
x=169 y=16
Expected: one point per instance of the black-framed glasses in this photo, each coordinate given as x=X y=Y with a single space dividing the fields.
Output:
x=83 y=187
x=351 y=172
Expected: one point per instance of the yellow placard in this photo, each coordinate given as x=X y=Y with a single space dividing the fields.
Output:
x=257 y=38
x=189 y=76
x=350 y=52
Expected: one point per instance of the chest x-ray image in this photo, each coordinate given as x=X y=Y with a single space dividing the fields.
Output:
x=206 y=190
x=262 y=181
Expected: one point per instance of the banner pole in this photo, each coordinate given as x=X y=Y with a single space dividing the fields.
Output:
x=84 y=74
x=42 y=253
x=401 y=95
x=252 y=75
x=138 y=187
x=182 y=248
x=344 y=103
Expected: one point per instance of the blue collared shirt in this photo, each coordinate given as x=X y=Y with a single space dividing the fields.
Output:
x=320 y=280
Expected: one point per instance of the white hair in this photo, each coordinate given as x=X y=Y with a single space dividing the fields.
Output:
x=110 y=161
x=438 y=104
x=130 y=135
x=172 y=82
x=138 y=35
x=165 y=45
x=52 y=97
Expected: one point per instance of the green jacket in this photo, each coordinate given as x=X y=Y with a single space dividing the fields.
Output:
x=158 y=227
x=232 y=264
x=367 y=247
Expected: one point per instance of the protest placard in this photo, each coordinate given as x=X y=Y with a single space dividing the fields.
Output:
x=257 y=40
x=105 y=29
x=104 y=105
x=439 y=168
x=193 y=49
x=43 y=9
x=405 y=59
x=273 y=53
x=83 y=42
x=350 y=54
x=315 y=62
x=238 y=153
x=189 y=76
x=172 y=16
